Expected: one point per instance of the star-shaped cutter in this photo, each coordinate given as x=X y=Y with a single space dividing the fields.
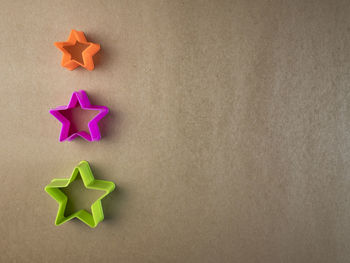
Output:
x=74 y=38
x=81 y=98
x=96 y=216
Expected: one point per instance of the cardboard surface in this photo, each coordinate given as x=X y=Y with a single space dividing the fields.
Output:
x=228 y=135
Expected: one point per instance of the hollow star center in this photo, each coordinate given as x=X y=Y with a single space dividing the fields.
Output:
x=76 y=51
x=79 y=119
x=79 y=197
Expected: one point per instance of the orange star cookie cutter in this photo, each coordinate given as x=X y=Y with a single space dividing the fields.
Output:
x=77 y=51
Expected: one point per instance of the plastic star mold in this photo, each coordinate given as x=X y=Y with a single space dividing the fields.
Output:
x=67 y=131
x=77 y=51
x=96 y=216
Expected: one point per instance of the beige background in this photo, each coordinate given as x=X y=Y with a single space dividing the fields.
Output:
x=228 y=137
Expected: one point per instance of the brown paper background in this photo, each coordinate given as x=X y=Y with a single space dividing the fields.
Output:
x=228 y=135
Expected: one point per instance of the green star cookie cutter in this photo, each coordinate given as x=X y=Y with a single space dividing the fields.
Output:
x=96 y=216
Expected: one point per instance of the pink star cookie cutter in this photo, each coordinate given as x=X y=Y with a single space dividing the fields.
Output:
x=81 y=98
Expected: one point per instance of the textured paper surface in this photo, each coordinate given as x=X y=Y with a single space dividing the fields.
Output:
x=228 y=135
